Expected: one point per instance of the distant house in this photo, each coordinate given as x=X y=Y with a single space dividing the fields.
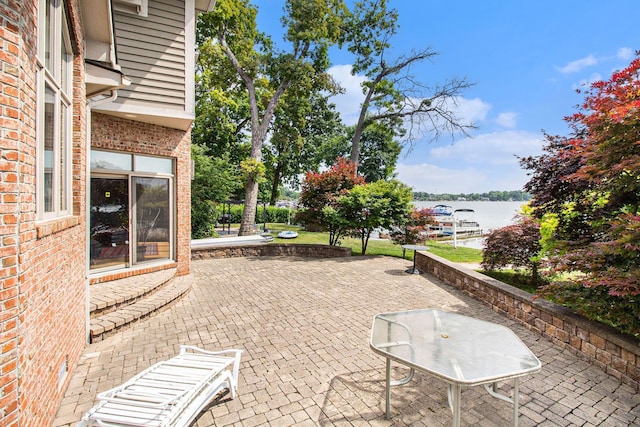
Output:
x=97 y=103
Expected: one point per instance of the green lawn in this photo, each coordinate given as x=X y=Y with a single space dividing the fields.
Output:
x=379 y=247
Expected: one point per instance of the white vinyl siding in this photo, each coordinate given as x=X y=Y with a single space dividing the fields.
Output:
x=151 y=51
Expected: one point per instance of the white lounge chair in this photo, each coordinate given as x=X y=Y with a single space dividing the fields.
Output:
x=169 y=393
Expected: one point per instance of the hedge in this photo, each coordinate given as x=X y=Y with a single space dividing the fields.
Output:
x=273 y=214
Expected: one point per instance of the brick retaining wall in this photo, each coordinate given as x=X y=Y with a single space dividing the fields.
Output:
x=615 y=353
x=272 y=249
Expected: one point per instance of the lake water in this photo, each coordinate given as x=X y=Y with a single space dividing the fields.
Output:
x=490 y=215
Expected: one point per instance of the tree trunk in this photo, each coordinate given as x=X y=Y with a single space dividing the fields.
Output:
x=357 y=135
x=250 y=206
x=276 y=183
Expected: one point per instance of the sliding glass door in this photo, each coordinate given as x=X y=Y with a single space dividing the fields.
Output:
x=152 y=219
x=109 y=222
x=131 y=210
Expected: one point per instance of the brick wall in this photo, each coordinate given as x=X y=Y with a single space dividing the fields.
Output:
x=272 y=249
x=42 y=270
x=113 y=133
x=615 y=353
x=11 y=130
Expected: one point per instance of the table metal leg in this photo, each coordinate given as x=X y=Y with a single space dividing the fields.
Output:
x=516 y=395
x=413 y=270
x=387 y=408
x=454 y=395
x=515 y=399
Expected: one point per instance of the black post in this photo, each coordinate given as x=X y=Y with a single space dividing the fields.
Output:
x=264 y=217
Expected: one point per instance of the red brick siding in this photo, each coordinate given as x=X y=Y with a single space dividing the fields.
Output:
x=12 y=93
x=42 y=270
x=113 y=133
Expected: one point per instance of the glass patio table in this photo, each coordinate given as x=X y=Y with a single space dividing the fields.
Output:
x=415 y=249
x=460 y=350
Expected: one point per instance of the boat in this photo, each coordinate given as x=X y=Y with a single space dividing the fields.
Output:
x=460 y=222
x=465 y=224
x=442 y=214
x=288 y=234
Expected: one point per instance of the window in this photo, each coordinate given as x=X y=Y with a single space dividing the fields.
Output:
x=55 y=75
x=131 y=210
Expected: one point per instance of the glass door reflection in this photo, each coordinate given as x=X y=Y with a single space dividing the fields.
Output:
x=152 y=219
x=109 y=222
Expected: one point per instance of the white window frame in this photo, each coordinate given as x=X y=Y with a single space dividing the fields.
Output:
x=54 y=198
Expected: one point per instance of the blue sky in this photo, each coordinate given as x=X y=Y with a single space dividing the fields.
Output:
x=526 y=58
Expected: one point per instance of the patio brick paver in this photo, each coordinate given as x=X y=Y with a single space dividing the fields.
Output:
x=304 y=324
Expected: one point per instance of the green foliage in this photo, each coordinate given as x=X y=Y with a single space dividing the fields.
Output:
x=265 y=72
x=319 y=198
x=273 y=214
x=548 y=226
x=494 y=196
x=597 y=303
x=302 y=125
x=516 y=245
x=378 y=204
x=515 y=278
x=589 y=182
x=214 y=180
x=252 y=169
x=412 y=230
x=379 y=151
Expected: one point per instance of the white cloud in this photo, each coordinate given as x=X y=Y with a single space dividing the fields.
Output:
x=625 y=53
x=578 y=65
x=507 y=120
x=435 y=179
x=473 y=165
x=348 y=103
x=585 y=83
x=496 y=148
x=470 y=110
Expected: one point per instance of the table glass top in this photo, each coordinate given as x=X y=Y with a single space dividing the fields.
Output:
x=415 y=247
x=452 y=346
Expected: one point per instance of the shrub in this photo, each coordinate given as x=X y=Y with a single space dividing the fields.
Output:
x=274 y=214
x=516 y=245
x=414 y=229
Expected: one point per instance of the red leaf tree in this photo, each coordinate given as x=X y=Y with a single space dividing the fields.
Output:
x=516 y=245
x=319 y=198
x=591 y=181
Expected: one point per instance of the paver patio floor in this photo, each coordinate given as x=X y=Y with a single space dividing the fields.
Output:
x=304 y=325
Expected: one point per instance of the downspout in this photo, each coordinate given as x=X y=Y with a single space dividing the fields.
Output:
x=91 y=103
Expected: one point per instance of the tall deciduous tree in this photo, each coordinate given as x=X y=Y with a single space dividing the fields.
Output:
x=391 y=91
x=300 y=128
x=267 y=72
x=222 y=124
x=380 y=149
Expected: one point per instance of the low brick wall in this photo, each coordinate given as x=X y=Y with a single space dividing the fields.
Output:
x=616 y=353
x=271 y=249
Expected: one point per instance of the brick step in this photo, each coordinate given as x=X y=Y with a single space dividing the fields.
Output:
x=116 y=311
x=112 y=295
